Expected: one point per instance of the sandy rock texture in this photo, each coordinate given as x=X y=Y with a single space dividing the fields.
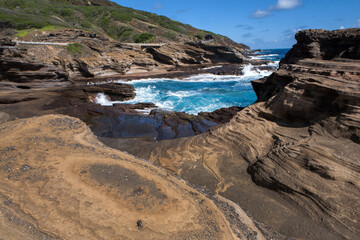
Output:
x=59 y=182
x=292 y=159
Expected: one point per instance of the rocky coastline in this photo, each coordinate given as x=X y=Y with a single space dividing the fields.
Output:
x=54 y=79
x=284 y=167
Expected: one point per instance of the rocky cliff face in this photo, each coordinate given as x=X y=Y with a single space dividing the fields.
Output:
x=299 y=142
x=318 y=52
x=90 y=55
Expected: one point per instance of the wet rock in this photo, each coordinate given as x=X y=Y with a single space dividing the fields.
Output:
x=120 y=122
x=139 y=106
x=222 y=115
x=116 y=91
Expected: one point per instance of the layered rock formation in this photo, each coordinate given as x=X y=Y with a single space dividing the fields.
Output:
x=92 y=55
x=59 y=182
x=299 y=143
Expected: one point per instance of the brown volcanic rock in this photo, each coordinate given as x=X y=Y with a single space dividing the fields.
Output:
x=59 y=182
x=196 y=53
x=100 y=56
x=222 y=115
x=116 y=91
x=333 y=54
x=300 y=142
x=327 y=45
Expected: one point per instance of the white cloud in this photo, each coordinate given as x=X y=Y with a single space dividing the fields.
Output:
x=342 y=27
x=287 y=4
x=358 y=23
x=280 y=5
x=261 y=13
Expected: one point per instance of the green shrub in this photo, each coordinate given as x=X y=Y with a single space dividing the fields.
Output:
x=38 y=14
x=49 y=28
x=86 y=25
x=170 y=35
x=143 y=37
x=66 y=12
x=199 y=36
x=22 y=33
x=12 y=3
x=124 y=33
x=74 y=48
x=121 y=16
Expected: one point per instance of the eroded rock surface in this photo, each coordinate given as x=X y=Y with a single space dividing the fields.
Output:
x=300 y=143
x=59 y=182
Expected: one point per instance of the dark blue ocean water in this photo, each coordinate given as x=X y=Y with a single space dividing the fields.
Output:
x=202 y=93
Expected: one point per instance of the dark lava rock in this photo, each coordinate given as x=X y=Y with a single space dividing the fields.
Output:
x=116 y=91
x=222 y=115
x=140 y=106
x=139 y=224
x=114 y=122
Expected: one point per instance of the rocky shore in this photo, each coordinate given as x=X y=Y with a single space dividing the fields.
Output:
x=284 y=167
x=291 y=159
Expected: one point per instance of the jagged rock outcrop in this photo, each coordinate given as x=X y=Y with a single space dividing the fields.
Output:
x=326 y=45
x=319 y=52
x=299 y=142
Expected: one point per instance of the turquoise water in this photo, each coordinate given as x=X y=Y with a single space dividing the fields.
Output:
x=202 y=93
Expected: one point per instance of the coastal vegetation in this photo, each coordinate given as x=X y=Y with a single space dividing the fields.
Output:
x=101 y=16
x=74 y=48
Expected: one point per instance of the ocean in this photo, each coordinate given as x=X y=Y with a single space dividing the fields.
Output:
x=202 y=93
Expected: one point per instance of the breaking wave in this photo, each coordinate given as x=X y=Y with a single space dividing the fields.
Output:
x=199 y=93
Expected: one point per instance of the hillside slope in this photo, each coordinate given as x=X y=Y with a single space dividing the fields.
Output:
x=101 y=16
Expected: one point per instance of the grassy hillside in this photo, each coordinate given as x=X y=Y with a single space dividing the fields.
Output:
x=102 y=16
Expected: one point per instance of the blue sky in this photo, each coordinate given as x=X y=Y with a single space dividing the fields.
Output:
x=257 y=23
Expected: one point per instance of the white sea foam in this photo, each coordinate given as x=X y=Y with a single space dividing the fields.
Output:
x=145 y=94
x=182 y=94
x=272 y=64
x=208 y=68
x=262 y=57
x=250 y=72
x=102 y=99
